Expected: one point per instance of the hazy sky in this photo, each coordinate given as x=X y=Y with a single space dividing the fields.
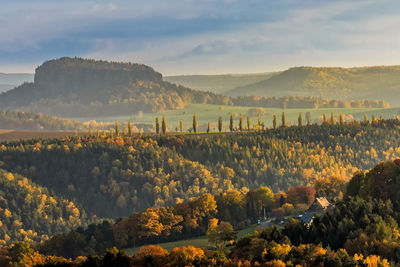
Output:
x=201 y=36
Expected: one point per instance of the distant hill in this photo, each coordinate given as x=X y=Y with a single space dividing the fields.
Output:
x=380 y=82
x=15 y=78
x=82 y=87
x=218 y=83
x=10 y=80
x=21 y=120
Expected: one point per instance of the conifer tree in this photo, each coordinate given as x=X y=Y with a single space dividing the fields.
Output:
x=97 y=132
x=157 y=126
x=274 y=122
x=194 y=123
x=220 y=124
x=341 y=119
x=324 y=121
x=259 y=123
x=373 y=119
x=231 y=123
x=283 y=119
x=248 y=123
x=164 y=125
x=300 y=119
x=208 y=127
x=332 y=118
x=381 y=117
x=308 y=117
x=365 y=118
x=240 y=122
x=181 y=126
x=129 y=129
x=90 y=132
x=116 y=129
x=111 y=133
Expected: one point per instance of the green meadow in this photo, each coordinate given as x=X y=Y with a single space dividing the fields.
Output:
x=199 y=242
x=210 y=113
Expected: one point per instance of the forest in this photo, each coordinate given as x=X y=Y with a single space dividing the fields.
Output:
x=361 y=230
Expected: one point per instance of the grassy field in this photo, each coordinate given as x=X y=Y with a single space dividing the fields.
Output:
x=210 y=113
x=218 y=83
x=200 y=242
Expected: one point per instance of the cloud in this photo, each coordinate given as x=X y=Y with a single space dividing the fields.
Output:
x=188 y=36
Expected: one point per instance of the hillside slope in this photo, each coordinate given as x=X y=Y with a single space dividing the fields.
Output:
x=20 y=120
x=380 y=82
x=82 y=87
x=218 y=83
x=31 y=213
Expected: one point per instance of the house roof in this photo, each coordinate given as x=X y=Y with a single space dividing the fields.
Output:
x=306 y=218
x=323 y=202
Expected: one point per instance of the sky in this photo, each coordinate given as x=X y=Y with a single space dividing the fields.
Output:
x=201 y=36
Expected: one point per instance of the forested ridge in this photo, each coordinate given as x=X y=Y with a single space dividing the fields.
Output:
x=84 y=87
x=127 y=174
x=166 y=187
x=376 y=82
x=361 y=230
x=76 y=87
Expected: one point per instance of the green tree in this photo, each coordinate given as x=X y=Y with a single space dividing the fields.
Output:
x=240 y=122
x=308 y=117
x=219 y=234
x=259 y=123
x=248 y=123
x=283 y=119
x=164 y=125
x=231 y=123
x=116 y=129
x=274 y=122
x=97 y=132
x=220 y=124
x=157 y=126
x=208 y=127
x=300 y=119
x=194 y=123
x=341 y=119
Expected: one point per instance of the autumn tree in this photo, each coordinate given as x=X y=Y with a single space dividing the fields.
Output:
x=274 y=122
x=130 y=132
x=194 y=123
x=341 y=119
x=240 y=122
x=220 y=124
x=324 y=120
x=164 y=125
x=181 y=126
x=332 y=118
x=208 y=127
x=248 y=123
